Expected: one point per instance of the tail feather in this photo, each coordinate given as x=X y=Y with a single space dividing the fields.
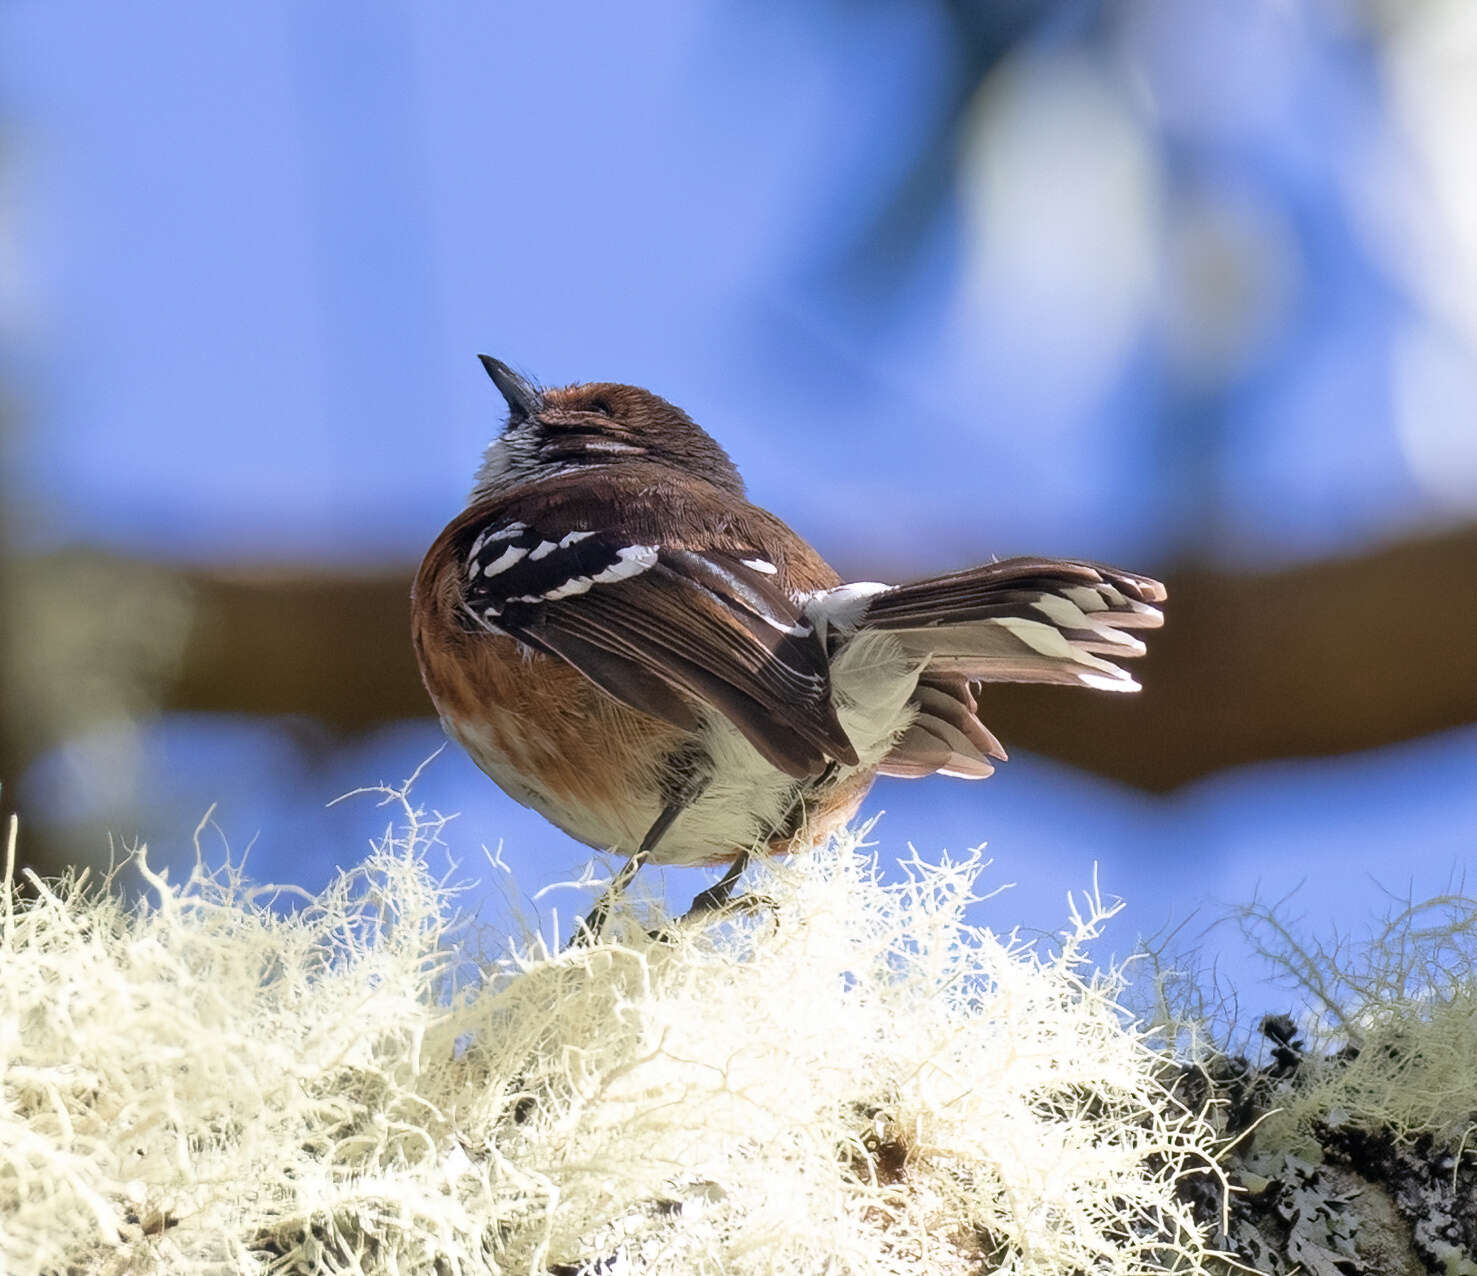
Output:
x=952 y=703
x=961 y=596
x=1019 y=620
x=919 y=752
x=946 y=736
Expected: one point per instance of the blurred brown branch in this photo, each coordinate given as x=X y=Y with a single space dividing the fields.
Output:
x=1317 y=659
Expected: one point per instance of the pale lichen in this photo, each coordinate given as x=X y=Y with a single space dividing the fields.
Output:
x=849 y=1079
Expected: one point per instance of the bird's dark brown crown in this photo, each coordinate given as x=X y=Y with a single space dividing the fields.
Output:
x=599 y=423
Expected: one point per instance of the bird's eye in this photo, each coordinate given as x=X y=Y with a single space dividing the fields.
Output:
x=602 y=406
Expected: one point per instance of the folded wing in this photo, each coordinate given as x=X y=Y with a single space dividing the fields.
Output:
x=664 y=629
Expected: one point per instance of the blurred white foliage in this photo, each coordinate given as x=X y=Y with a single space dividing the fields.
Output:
x=850 y=1080
x=1234 y=275
x=1061 y=192
x=1431 y=74
x=1422 y=193
x=1435 y=393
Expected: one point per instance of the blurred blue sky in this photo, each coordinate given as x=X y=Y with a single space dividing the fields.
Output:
x=259 y=246
x=1197 y=283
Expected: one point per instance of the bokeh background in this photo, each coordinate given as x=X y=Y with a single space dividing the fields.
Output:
x=1189 y=285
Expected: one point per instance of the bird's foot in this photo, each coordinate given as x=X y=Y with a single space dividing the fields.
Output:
x=715 y=905
x=749 y=902
x=589 y=928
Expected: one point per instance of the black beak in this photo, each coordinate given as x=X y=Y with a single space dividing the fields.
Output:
x=523 y=399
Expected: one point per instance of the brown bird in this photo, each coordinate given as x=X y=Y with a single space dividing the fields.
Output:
x=663 y=670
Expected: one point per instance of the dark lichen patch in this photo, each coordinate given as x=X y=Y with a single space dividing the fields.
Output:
x=1334 y=1197
x=1431 y=1186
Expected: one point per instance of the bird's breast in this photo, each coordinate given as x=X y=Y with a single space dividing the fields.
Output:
x=553 y=740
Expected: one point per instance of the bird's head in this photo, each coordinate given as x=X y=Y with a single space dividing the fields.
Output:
x=600 y=423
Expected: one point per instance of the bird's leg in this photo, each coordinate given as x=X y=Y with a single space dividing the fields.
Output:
x=717 y=895
x=589 y=929
x=688 y=792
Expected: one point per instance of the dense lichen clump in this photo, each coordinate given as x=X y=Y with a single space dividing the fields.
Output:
x=847 y=1079
x=1352 y=1152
